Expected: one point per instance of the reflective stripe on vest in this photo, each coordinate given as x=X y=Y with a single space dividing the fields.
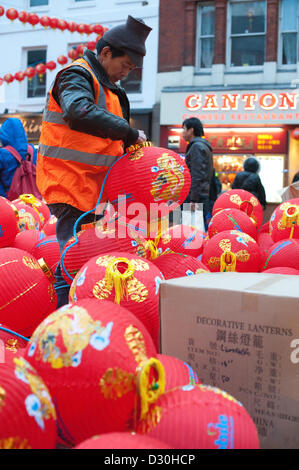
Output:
x=76 y=156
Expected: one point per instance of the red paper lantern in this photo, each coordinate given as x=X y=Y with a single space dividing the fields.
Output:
x=149 y=181
x=295 y=133
x=284 y=253
x=99 y=345
x=91 y=45
x=88 y=29
x=2 y=11
x=175 y=265
x=53 y=23
x=284 y=221
x=182 y=239
x=265 y=242
x=126 y=279
x=30 y=72
x=33 y=19
x=1 y=81
x=8 y=78
x=232 y=219
x=98 y=29
x=232 y=250
x=199 y=417
x=72 y=26
x=27 y=239
x=48 y=249
x=122 y=440
x=282 y=270
x=27 y=295
x=73 y=54
x=12 y=14
x=28 y=416
x=23 y=16
x=80 y=28
x=40 y=69
x=50 y=227
x=19 y=76
x=40 y=207
x=51 y=65
x=62 y=25
x=243 y=200
x=8 y=222
x=62 y=59
x=80 y=49
x=265 y=228
x=177 y=373
x=45 y=21
x=12 y=342
x=29 y=217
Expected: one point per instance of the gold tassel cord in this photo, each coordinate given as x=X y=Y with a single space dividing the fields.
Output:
x=149 y=392
x=290 y=217
x=151 y=246
x=114 y=278
x=228 y=261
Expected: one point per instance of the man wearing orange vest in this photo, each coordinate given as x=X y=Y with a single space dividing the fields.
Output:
x=86 y=128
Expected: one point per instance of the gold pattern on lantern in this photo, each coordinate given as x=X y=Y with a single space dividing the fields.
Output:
x=2 y=397
x=136 y=155
x=30 y=262
x=169 y=181
x=18 y=296
x=225 y=245
x=139 y=265
x=14 y=443
x=136 y=291
x=135 y=341
x=12 y=345
x=165 y=238
x=116 y=382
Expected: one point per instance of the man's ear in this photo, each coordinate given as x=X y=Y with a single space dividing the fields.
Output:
x=105 y=52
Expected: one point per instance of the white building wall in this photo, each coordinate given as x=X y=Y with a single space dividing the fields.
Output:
x=16 y=38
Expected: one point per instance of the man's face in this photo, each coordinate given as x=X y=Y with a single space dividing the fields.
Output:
x=117 y=68
x=187 y=134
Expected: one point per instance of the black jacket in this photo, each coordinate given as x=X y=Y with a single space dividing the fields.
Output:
x=250 y=182
x=73 y=90
x=199 y=159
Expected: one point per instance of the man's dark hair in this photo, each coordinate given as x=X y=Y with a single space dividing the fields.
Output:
x=252 y=165
x=295 y=177
x=115 y=52
x=196 y=125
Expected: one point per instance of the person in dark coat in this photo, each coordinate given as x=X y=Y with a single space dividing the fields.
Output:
x=199 y=160
x=12 y=133
x=295 y=177
x=249 y=180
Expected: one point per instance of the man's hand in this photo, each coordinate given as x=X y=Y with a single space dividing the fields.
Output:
x=142 y=137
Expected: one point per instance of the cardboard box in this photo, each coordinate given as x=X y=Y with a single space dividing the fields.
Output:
x=240 y=332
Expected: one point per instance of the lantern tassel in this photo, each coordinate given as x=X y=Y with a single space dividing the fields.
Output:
x=152 y=247
x=149 y=390
x=228 y=261
x=290 y=218
x=119 y=280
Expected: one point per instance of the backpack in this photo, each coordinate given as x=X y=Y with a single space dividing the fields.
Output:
x=24 y=178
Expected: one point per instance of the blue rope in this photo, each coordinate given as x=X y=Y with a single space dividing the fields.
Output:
x=81 y=217
x=13 y=332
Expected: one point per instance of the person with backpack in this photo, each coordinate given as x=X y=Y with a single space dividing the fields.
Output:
x=14 y=147
x=250 y=181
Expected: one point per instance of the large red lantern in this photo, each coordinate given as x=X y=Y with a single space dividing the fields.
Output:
x=177 y=373
x=89 y=354
x=232 y=250
x=8 y=78
x=45 y=21
x=33 y=19
x=173 y=265
x=62 y=59
x=8 y=222
x=27 y=294
x=128 y=280
x=284 y=221
x=182 y=239
x=48 y=249
x=23 y=16
x=284 y=253
x=264 y=241
x=91 y=45
x=243 y=200
x=80 y=49
x=199 y=417
x=98 y=29
x=29 y=217
x=73 y=54
x=27 y=239
x=122 y=440
x=40 y=207
x=12 y=14
x=148 y=182
x=28 y=416
x=50 y=226
x=232 y=219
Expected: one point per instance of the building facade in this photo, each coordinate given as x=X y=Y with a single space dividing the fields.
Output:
x=24 y=45
x=233 y=64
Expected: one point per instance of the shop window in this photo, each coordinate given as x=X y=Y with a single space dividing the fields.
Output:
x=38 y=3
x=132 y=83
x=37 y=85
x=205 y=36
x=247 y=30
x=288 y=32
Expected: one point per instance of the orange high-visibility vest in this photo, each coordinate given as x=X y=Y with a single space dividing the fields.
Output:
x=72 y=165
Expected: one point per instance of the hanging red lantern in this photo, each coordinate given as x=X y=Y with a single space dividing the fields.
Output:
x=125 y=279
x=72 y=26
x=174 y=265
x=62 y=25
x=199 y=417
x=23 y=394
x=62 y=59
x=243 y=200
x=151 y=181
x=2 y=11
x=182 y=239
x=91 y=45
x=27 y=295
x=19 y=76
x=177 y=373
x=284 y=253
x=232 y=250
x=99 y=344
x=27 y=240
x=98 y=29
x=50 y=227
x=80 y=49
x=232 y=219
x=23 y=16
x=284 y=221
x=33 y=19
x=8 y=78
x=122 y=440
x=295 y=133
x=73 y=54
x=12 y=14
x=88 y=29
x=8 y=223
x=282 y=270
x=51 y=65
x=80 y=28
x=45 y=21
x=30 y=73
x=48 y=249
x=40 y=69
x=53 y=23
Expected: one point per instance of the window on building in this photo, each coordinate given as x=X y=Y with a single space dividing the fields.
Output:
x=205 y=36
x=288 y=26
x=133 y=82
x=37 y=85
x=38 y=3
x=247 y=28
